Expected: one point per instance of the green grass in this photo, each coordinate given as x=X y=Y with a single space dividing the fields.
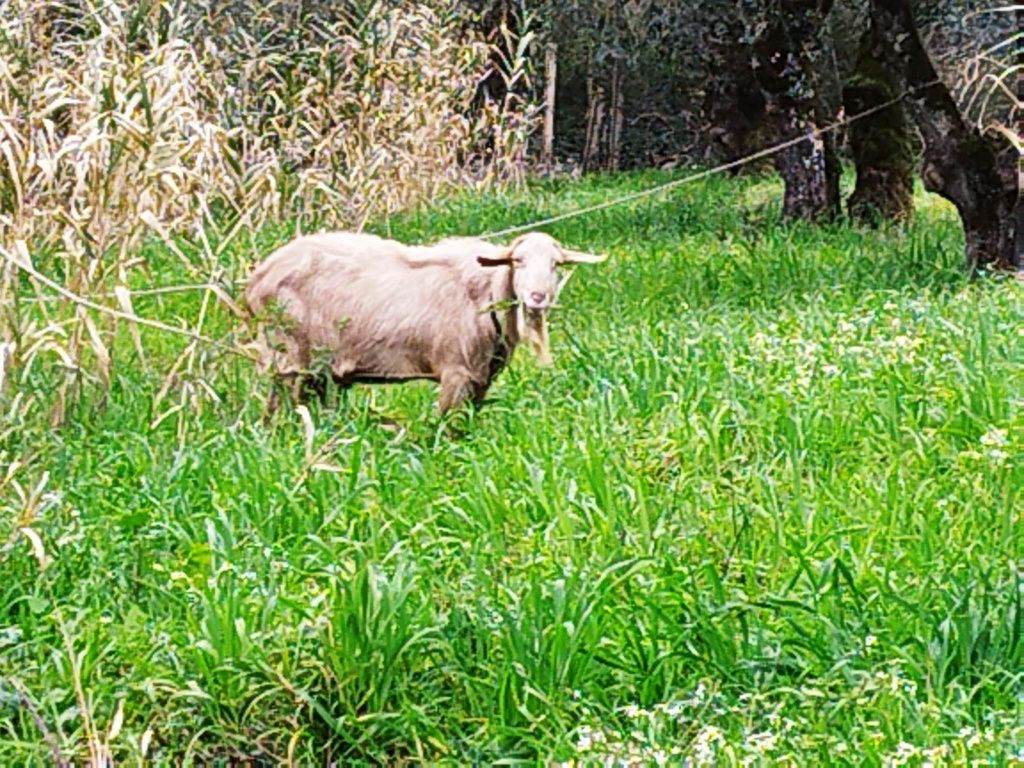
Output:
x=766 y=505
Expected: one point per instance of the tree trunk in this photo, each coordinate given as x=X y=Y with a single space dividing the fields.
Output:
x=595 y=125
x=976 y=172
x=551 y=79
x=1018 y=250
x=617 y=118
x=810 y=170
x=881 y=143
x=735 y=112
x=790 y=58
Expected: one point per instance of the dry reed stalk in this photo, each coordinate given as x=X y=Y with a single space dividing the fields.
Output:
x=122 y=122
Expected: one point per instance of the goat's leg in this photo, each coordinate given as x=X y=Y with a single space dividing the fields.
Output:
x=314 y=386
x=273 y=401
x=288 y=359
x=456 y=386
x=479 y=391
x=290 y=384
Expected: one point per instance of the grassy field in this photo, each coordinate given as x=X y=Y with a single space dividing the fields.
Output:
x=766 y=507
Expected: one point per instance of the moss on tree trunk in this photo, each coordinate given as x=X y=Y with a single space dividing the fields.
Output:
x=882 y=150
x=975 y=171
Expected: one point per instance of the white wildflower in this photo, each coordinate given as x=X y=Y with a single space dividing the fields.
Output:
x=994 y=437
x=761 y=742
x=970 y=737
x=998 y=455
x=671 y=709
x=698 y=697
x=936 y=754
x=904 y=751
x=10 y=635
x=583 y=739
x=705 y=744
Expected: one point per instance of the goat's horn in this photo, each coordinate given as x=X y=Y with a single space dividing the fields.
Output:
x=579 y=257
x=495 y=261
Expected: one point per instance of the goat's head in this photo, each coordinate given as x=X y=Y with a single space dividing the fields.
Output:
x=534 y=259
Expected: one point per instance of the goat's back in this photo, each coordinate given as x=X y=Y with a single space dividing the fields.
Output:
x=302 y=258
x=383 y=308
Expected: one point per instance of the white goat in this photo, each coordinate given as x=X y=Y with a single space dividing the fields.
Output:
x=383 y=311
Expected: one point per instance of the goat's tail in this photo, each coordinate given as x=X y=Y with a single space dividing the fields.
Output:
x=260 y=288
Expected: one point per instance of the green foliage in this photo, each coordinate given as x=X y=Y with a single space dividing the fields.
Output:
x=766 y=506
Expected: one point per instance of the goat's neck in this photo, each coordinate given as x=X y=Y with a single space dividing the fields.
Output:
x=504 y=296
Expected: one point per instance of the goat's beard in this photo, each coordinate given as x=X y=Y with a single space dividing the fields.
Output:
x=534 y=329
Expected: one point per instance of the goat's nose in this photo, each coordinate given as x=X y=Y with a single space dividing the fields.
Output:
x=537 y=297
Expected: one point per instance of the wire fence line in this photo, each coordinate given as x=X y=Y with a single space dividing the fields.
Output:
x=120 y=313
x=810 y=135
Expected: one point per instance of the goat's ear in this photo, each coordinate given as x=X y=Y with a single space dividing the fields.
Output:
x=495 y=261
x=570 y=256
